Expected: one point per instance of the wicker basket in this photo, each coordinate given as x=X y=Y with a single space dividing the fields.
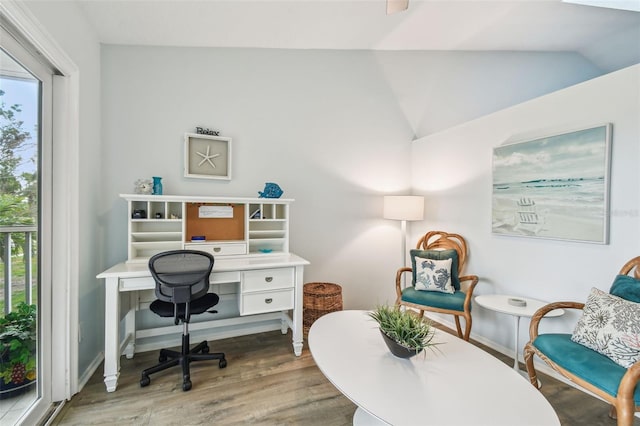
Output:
x=319 y=299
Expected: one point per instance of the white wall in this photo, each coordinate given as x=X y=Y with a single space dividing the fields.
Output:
x=453 y=170
x=333 y=128
x=439 y=90
x=323 y=125
x=69 y=29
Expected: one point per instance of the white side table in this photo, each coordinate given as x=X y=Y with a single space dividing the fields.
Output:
x=500 y=303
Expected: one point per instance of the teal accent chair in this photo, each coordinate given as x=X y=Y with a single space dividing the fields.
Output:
x=585 y=367
x=458 y=303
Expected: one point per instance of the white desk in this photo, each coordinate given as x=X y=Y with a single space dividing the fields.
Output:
x=254 y=298
x=500 y=303
x=461 y=385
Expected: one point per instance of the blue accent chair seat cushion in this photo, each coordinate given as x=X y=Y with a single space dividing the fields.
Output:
x=435 y=299
x=583 y=362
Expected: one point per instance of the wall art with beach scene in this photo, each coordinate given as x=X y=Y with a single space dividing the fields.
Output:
x=554 y=187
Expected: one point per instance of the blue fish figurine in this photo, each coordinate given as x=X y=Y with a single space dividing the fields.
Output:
x=271 y=190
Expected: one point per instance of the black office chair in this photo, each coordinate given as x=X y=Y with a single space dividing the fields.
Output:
x=182 y=285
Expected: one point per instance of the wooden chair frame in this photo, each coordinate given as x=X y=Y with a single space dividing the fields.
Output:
x=622 y=406
x=440 y=240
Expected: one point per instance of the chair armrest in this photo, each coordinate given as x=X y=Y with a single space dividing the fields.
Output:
x=472 y=278
x=399 y=282
x=540 y=313
x=469 y=290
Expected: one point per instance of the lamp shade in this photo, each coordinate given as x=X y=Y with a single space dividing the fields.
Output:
x=403 y=207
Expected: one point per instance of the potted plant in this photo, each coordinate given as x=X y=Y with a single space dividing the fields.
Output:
x=17 y=350
x=403 y=331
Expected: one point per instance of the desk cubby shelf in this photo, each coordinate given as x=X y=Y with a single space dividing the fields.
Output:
x=258 y=226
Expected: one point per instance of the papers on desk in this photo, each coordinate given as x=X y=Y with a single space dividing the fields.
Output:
x=215 y=212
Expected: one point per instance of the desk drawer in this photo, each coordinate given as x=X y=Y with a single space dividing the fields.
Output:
x=140 y=283
x=224 y=277
x=266 y=301
x=267 y=279
x=218 y=249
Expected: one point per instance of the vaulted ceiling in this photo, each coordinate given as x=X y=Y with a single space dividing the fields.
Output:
x=609 y=38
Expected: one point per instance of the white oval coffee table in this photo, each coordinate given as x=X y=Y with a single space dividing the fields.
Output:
x=458 y=385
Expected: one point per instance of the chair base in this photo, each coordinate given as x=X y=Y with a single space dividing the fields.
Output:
x=169 y=358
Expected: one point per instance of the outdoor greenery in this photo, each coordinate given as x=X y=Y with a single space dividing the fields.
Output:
x=18 y=196
x=18 y=275
x=405 y=327
x=18 y=191
x=18 y=345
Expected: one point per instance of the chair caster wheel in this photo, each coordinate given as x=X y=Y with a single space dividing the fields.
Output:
x=186 y=385
x=222 y=363
x=144 y=381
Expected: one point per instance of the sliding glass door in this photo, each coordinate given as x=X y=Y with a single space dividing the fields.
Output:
x=25 y=233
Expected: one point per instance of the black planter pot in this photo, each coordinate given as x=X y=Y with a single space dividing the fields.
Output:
x=10 y=390
x=397 y=349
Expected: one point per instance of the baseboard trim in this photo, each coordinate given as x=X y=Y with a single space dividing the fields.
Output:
x=90 y=370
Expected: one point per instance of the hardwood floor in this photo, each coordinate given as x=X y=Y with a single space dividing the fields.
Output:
x=264 y=383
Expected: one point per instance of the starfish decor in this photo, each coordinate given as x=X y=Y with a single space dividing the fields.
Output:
x=207 y=158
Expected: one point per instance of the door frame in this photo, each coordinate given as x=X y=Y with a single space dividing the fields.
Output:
x=64 y=218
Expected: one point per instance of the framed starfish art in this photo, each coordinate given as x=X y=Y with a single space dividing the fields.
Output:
x=207 y=157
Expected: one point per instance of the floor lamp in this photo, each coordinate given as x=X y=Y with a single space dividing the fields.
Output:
x=404 y=208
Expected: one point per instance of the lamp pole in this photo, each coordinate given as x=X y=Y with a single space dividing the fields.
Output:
x=403 y=229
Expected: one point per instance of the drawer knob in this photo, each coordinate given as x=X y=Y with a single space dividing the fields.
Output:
x=269 y=300
x=217 y=249
x=268 y=279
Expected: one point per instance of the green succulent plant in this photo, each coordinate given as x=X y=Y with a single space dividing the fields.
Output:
x=405 y=327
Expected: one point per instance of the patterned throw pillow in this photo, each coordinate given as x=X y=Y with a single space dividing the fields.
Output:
x=433 y=275
x=610 y=325
x=437 y=255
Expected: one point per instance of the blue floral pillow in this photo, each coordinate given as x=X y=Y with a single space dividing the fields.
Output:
x=433 y=275
x=609 y=325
